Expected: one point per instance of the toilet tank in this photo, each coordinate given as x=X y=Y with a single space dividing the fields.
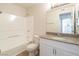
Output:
x=36 y=39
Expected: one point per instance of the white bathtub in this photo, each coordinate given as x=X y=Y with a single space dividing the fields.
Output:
x=13 y=46
x=14 y=49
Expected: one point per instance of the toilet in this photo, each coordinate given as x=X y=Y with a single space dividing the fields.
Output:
x=33 y=47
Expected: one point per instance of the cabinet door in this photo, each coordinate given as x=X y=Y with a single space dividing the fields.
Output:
x=46 y=50
x=67 y=53
x=62 y=52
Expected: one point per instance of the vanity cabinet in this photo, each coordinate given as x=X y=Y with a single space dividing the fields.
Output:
x=54 y=48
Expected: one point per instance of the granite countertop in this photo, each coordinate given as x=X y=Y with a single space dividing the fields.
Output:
x=69 y=40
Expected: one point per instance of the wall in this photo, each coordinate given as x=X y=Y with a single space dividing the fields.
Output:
x=13 y=9
x=39 y=12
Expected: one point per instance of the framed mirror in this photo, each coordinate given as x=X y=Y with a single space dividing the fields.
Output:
x=61 y=20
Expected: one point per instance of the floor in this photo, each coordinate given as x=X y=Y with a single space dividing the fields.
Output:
x=24 y=53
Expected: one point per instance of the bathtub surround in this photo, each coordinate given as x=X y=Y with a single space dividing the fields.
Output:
x=16 y=33
x=15 y=10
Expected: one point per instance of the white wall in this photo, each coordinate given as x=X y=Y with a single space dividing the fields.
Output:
x=39 y=12
x=13 y=9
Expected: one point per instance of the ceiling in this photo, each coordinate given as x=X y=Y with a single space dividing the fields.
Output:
x=27 y=5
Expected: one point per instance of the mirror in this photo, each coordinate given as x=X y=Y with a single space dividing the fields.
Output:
x=61 y=19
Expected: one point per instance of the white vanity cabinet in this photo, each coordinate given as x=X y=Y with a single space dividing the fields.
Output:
x=55 y=48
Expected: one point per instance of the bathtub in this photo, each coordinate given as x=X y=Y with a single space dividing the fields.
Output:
x=13 y=46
